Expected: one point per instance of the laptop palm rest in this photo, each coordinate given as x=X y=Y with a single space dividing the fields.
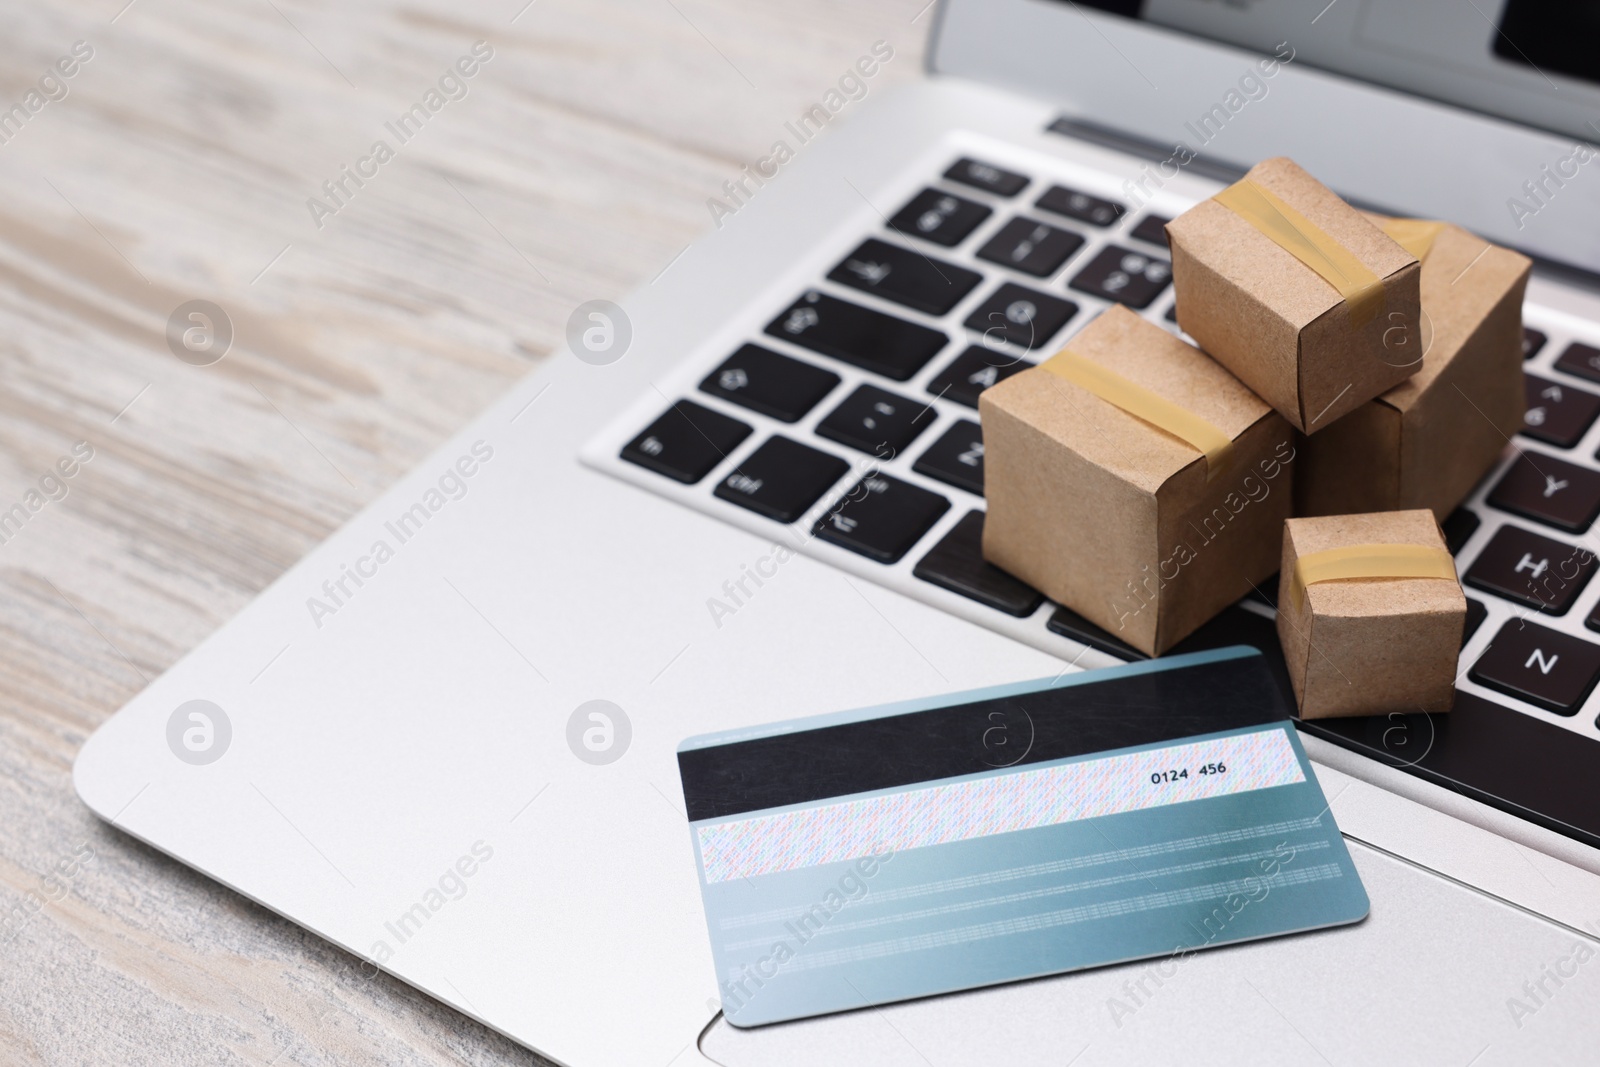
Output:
x=1468 y=971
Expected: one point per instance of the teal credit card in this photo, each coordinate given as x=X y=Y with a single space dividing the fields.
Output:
x=1024 y=830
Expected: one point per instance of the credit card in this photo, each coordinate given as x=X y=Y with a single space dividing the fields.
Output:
x=988 y=836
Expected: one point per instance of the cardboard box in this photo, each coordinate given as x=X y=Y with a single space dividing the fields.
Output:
x=1276 y=322
x=1129 y=525
x=1428 y=441
x=1370 y=645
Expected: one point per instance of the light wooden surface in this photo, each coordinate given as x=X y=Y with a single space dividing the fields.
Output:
x=177 y=167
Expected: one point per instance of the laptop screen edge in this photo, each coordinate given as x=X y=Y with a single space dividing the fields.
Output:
x=1511 y=183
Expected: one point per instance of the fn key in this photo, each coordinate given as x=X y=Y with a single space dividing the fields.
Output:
x=881 y=517
x=686 y=442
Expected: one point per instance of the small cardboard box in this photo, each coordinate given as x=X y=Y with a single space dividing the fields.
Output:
x=1360 y=644
x=1127 y=524
x=1272 y=317
x=1428 y=441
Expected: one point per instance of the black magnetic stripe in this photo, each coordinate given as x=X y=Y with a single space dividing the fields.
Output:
x=921 y=746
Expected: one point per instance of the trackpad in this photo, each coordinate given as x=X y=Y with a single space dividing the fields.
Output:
x=1438 y=973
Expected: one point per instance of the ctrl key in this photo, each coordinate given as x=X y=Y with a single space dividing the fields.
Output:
x=781 y=479
x=1544 y=667
x=686 y=442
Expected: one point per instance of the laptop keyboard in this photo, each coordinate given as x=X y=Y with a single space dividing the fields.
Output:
x=844 y=426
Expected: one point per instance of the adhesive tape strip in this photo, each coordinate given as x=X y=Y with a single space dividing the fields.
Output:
x=1414 y=235
x=1370 y=561
x=1146 y=406
x=1294 y=233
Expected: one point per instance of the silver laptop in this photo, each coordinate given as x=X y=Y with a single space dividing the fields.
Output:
x=446 y=739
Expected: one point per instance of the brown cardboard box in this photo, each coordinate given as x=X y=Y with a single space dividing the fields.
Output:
x=1368 y=645
x=1123 y=522
x=1275 y=322
x=1428 y=441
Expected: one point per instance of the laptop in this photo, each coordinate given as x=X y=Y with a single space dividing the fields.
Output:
x=446 y=740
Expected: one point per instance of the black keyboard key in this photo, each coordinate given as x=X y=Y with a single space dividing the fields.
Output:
x=1125 y=276
x=972 y=372
x=1021 y=315
x=1476 y=613
x=1532 y=341
x=1484 y=748
x=1459 y=528
x=987 y=176
x=774 y=385
x=1152 y=228
x=686 y=442
x=1557 y=414
x=1535 y=571
x=1549 y=490
x=877 y=421
x=956 y=458
x=906 y=277
x=1535 y=663
x=781 y=479
x=1069 y=624
x=1031 y=247
x=939 y=217
x=956 y=563
x=1582 y=360
x=1081 y=206
x=859 y=336
x=881 y=517
x=1172 y=313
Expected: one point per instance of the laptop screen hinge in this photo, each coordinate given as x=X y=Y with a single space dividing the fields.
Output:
x=1140 y=148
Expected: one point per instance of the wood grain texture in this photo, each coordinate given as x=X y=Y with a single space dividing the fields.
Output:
x=178 y=167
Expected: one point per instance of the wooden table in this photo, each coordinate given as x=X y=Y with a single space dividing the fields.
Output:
x=175 y=164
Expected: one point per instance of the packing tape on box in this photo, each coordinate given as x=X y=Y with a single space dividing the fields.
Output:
x=1370 y=561
x=1146 y=406
x=1414 y=235
x=1299 y=236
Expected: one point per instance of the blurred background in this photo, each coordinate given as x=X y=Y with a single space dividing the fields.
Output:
x=173 y=174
